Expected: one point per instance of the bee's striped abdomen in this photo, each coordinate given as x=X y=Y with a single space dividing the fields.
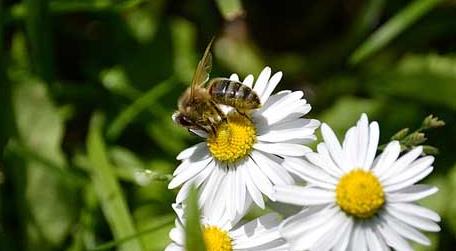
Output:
x=233 y=93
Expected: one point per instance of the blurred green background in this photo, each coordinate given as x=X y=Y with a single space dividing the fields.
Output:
x=88 y=87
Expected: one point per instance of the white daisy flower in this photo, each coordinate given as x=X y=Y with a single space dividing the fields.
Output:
x=356 y=201
x=242 y=161
x=226 y=234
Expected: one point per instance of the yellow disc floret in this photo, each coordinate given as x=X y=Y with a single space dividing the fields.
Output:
x=215 y=239
x=360 y=194
x=233 y=139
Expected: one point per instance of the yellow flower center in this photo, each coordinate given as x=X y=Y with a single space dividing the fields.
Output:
x=360 y=194
x=233 y=140
x=215 y=239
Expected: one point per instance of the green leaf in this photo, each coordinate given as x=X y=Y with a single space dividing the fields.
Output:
x=40 y=129
x=230 y=9
x=145 y=101
x=391 y=29
x=193 y=235
x=347 y=110
x=427 y=78
x=108 y=189
x=38 y=30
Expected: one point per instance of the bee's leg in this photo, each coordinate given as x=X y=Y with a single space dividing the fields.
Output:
x=243 y=113
x=219 y=112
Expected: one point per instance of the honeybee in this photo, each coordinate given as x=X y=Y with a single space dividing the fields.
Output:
x=198 y=107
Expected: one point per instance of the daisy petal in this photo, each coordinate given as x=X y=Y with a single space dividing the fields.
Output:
x=189 y=152
x=387 y=158
x=303 y=196
x=191 y=171
x=392 y=238
x=411 y=193
x=415 y=210
x=251 y=188
x=334 y=147
x=415 y=168
x=374 y=134
x=402 y=163
x=405 y=230
x=273 y=170
x=248 y=81
x=259 y=179
x=285 y=149
x=414 y=221
x=234 y=77
x=262 y=81
x=273 y=82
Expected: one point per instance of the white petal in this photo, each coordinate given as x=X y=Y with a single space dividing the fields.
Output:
x=299 y=128
x=234 y=77
x=375 y=241
x=284 y=149
x=269 y=164
x=262 y=81
x=248 y=81
x=185 y=154
x=275 y=79
x=392 y=238
x=190 y=172
x=416 y=210
x=374 y=134
x=402 y=163
x=259 y=179
x=334 y=147
x=411 y=193
x=211 y=185
x=310 y=173
x=387 y=158
x=405 y=230
x=256 y=233
x=412 y=170
x=358 y=241
x=350 y=147
x=409 y=180
x=329 y=165
x=329 y=240
x=174 y=247
x=363 y=141
x=414 y=221
x=197 y=181
x=303 y=196
x=343 y=241
x=303 y=231
x=251 y=188
x=240 y=191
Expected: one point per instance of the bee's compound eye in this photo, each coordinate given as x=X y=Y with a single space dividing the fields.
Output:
x=183 y=120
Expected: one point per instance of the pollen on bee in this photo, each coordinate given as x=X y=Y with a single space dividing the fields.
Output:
x=233 y=139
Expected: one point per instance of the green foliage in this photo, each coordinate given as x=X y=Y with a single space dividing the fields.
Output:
x=193 y=235
x=108 y=189
x=87 y=90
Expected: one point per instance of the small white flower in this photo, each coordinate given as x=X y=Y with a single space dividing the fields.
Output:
x=226 y=234
x=356 y=201
x=242 y=161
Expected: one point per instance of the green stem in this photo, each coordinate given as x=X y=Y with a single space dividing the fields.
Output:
x=392 y=28
x=108 y=189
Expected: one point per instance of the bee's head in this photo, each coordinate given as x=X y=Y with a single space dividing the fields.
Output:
x=183 y=120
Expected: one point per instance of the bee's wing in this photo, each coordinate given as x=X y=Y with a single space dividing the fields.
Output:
x=203 y=69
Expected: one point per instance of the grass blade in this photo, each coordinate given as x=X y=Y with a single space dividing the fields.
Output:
x=38 y=31
x=164 y=221
x=143 y=102
x=107 y=188
x=392 y=29
x=193 y=236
